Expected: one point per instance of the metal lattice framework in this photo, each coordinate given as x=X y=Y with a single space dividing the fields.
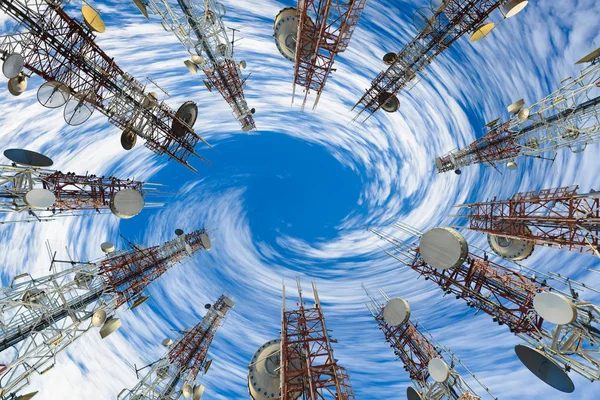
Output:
x=415 y=350
x=40 y=317
x=557 y=217
x=567 y=118
x=199 y=27
x=507 y=296
x=440 y=30
x=308 y=366
x=324 y=30
x=181 y=365
x=60 y=49
x=75 y=194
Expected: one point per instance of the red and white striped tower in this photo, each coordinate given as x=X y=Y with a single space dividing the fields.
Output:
x=559 y=217
x=42 y=316
x=175 y=375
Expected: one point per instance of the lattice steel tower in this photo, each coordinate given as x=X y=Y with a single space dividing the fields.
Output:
x=567 y=118
x=561 y=329
x=174 y=376
x=83 y=78
x=422 y=356
x=301 y=363
x=558 y=217
x=41 y=317
x=312 y=35
x=439 y=26
x=199 y=27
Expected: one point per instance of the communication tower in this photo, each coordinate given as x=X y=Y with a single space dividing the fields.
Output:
x=199 y=27
x=438 y=26
x=83 y=78
x=312 y=35
x=567 y=118
x=434 y=377
x=175 y=375
x=27 y=186
x=558 y=217
x=300 y=364
x=561 y=331
x=42 y=316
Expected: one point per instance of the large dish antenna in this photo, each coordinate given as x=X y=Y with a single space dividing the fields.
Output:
x=389 y=102
x=412 y=394
x=198 y=392
x=482 y=31
x=39 y=199
x=78 y=110
x=396 y=312
x=13 y=65
x=98 y=317
x=139 y=301
x=390 y=58
x=126 y=203
x=111 y=325
x=590 y=57
x=27 y=396
x=187 y=390
x=438 y=369
x=443 y=248
x=28 y=158
x=92 y=19
x=191 y=66
x=555 y=308
x=206 y=242
x=53 y=94
x=544 y=368
x=511 y=248
x=513 y=7
x=188 y=112
x=128 y=139
x=17 y=85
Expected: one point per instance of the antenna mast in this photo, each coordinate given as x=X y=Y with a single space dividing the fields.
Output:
x=43 y=316
x=176 y=373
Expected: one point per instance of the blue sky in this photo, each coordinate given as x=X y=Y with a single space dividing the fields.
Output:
x=293 y=198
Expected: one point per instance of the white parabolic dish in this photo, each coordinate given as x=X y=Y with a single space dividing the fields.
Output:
x=107 y=247
x=40 y=199
x=443 y=248
x=206 y=242
x=438 y=369
x=198 y=392
x=126 y=203
x=555 y=308
x=13 y=65
x=396 y=312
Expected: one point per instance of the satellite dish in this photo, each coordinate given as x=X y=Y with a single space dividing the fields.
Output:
x=179 y=232
x=208 y=85
x=193 y=68
x=516 y=106
x=128 y=139
x=438 y=369
x=207 y=306
x=167 y=342
x=523 y=114
x=457 y=171
x=197 y=59
x=511 y=165
x=13 y=65
x=142 y=7
x=544 y=368
x=77 y=111
x=98 y=317
x=285 y=30
x=26 y=396
x=443 y=248
x=17 y=85
x=207 y=366
x=187 y=113
x=28 y=158
x=555 y=308
x=264 y=376
x=126 y=203
x=243 y=64
x=150 y=100
x=53 y=94
x=396 y=312
x=92 y=19
x=482 y=31
x=111 y=325
x=187 y=390
x=389 y=102
x=40 y=199
x=513 y=7
x=412 y=394
x=228 y=302
x=189 y=250
x=139 y=301
x=206 y=242
x=107 y=247
x=590 y=57
x=389 y=58
x=252 y=110
x=511 y=248
x=198 y=392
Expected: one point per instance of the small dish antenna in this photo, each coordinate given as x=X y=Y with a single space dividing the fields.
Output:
x=389 y=58
x=28 y=158
x=208 y=85
x=207 y=306
x=515 y=107
x=111 y=325
x=17 y=85
x=98 y=317
x=142 y=7
x=438 y=369
x=443 y=248
x=590 y=57
x=544 y=368
x=13 y=65
x=26 y=396
x=492 y=123
x=207 y=366
x=187 y=113
x=167 y=342
x=40 y=199
x=128 y=139
x=513 y=7
x=243 y=64
x=139 y=301
x=206 y=242
x=126 y=203
x=197 y=59
x=53 y=94
x=179 y=232
x=482 y=31
x=412 y=394
x=77 y=111
x=555 y=308
x=192 y=67
x=187 y=390
x=396 y=312
x=198 y=392
x=389 y=102
x=107 y=247
x=150 y=100
x=523 y=114
x=228 y=302
x=92 y=19
x=511 y=165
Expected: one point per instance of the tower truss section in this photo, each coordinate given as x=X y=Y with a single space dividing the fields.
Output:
x=567 y=118
x=83 y=78
x=174 y=376
x=42 y=316
x=558 y=217
x=559 y=329
x=439 y=26
x=199 y=27
x=425 y=360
